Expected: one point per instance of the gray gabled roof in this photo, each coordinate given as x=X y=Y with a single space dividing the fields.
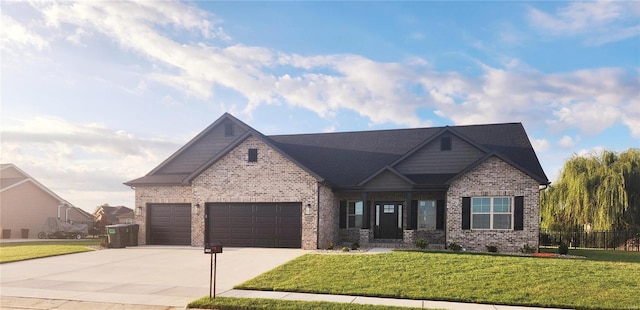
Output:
x=349 y=159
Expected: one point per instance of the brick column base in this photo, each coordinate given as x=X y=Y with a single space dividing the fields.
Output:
x=408 y=237
x=365 y=237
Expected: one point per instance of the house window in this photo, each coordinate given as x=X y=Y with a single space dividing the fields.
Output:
x=253 y=155
x=128 y=221
x=354 y=214
x=445 y=144
x=427 y=214
x=228 y=130
x=388 y=208
x=491 y=213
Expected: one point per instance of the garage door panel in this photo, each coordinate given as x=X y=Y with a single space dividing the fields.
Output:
x=266 y=243
x=293 y=211
x=255 y=225
x=243 y=221
x=265 y=233
x=241 y=209
x=266 y=210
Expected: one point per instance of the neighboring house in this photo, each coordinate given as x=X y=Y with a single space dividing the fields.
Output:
x=25 y=205
x=108 y=215
x=472 y=185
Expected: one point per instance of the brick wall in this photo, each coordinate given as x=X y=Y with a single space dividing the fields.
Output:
x=273 y=178
x=329 y=217
x=494 y=177
x=160 y=194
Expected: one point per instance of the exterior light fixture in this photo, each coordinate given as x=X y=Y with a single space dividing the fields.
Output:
x=138 y=210
x=307 y=209
x=196 y=209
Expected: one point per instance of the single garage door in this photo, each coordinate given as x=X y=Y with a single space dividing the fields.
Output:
x=268 y=225
x=170 y=224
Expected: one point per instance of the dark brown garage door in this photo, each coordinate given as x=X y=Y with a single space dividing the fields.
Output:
x=268 y=225
x=170 y=224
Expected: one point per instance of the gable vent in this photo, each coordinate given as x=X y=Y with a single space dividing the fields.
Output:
x=228 y=130
x=445 y=144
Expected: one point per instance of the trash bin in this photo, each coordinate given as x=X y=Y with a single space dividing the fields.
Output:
x=133 y=234
x=117 y=235
x=25 y=233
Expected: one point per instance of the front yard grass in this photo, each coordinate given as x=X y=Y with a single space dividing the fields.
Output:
x=17 y=251
x=492 y=279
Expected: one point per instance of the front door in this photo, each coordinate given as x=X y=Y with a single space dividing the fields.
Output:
x=388 y=220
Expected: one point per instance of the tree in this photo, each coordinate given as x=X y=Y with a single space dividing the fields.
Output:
x=597 y=192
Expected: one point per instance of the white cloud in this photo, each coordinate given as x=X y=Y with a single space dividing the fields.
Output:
x=64 y=155
x=599 y=22
x=76 y=37
x=16 y=35
x=591 y=100
x=540 y=145
x=566 y=142
x=596 y=151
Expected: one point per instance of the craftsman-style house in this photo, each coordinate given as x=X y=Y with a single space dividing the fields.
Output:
x=470 y=185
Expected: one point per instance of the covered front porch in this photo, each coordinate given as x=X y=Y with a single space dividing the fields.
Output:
x=392 y=219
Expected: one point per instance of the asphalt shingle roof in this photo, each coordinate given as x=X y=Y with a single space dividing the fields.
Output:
x=345 y=159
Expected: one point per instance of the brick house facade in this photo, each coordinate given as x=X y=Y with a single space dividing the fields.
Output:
x=471 y=185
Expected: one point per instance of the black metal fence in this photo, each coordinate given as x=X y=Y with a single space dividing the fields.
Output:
x=626 y=240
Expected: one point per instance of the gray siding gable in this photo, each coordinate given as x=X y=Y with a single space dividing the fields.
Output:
x=429 y=159
x=387 y=180
x=210 y=144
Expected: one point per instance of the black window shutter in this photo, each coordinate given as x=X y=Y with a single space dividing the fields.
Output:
x=414 y=215
x=440 y=214
x=343 y=214
x=518 y=213
x=466 y=213
x=366 y=216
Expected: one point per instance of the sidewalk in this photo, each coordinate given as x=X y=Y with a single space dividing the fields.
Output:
x=14 y=303
x=427 y=304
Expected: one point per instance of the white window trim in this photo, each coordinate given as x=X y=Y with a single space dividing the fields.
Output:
x=491 y=213
x=354 y=214
x=435 y=215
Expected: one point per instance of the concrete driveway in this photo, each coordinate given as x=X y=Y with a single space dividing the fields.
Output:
x=145 y=275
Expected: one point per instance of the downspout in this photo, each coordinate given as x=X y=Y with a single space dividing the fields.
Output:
x=318 y=216
x=62 y=204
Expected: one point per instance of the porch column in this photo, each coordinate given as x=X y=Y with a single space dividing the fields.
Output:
x=408 y=212
x=366 y=212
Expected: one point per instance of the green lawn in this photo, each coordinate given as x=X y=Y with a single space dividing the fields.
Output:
x=226 y=303
x=17 y=251
x=494 y=279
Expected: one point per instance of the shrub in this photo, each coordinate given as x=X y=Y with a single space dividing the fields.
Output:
x=455 y=247
x=563 y=249
x=330 y=246
x=355 y=246
x=492 y=248
x=527 y=249
x=345 y=249
x=422 y=243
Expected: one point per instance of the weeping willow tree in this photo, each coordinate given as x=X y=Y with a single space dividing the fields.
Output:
x=595 y=192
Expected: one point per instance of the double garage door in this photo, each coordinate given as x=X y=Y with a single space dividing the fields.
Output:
x=271 y=225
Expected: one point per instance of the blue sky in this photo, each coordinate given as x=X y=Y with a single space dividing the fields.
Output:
x=94 y=94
